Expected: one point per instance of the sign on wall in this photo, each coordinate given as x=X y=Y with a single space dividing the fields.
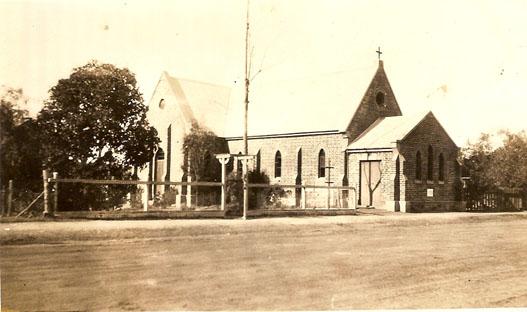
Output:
x=429 y=192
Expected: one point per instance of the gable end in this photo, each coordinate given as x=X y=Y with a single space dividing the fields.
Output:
x=378 y=101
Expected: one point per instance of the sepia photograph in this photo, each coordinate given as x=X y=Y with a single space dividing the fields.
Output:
x=256 y=155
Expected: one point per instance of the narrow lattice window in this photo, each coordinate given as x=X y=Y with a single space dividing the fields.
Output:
x=441 y=167
x=321 y=164
x=278 y=164
x=160 y=155
x=299 y=164
x=239 y=167
x=430 y=172
x=418 y=166
x=258 y=161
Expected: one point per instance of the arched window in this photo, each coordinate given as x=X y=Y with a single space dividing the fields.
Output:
x=277 y=164
x=298 y=180
x=441 y=167
x=299 y=165
x=397 y=180
x=430 y=172
x=321 y=164
x=258 y=161
x=239 y=167
x=149 y=187
x=159 y=169
x=418 y=166
x=160 y=154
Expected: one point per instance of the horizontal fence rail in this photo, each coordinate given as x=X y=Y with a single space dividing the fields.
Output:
x=80 y=194
x=188 y=196
x=301 y=197
x=133 y=182
x=299 y=186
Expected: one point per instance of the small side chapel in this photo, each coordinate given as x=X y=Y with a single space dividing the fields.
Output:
x=395 y=162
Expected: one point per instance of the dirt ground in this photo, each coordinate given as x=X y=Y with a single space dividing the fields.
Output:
x=451 y=260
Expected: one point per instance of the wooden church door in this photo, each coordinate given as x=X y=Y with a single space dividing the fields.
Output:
x=370 y=182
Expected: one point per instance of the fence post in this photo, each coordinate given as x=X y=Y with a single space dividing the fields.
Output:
x=55 y=192
x=145 y=197
x=245 y=188
x=188 y=198
x=223 y=185
x=9 y=197
x=224 y=160
x=189 y=188
x=45 y=177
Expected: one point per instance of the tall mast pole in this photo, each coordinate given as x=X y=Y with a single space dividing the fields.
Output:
x=245 y=143
x=247 y=81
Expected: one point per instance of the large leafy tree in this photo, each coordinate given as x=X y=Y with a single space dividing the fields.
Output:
x=476 y=159
x=94 y=126
x=504 y=167
x=509 y=162
x=19 y=143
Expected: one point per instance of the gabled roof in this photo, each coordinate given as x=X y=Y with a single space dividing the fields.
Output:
x=370 y=108
x=206 y=103
x=386 y=131
x=320 y=103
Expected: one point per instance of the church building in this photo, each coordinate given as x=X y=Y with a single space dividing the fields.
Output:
x=395 y=162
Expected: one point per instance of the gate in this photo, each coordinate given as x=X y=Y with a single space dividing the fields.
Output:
x=499 y=200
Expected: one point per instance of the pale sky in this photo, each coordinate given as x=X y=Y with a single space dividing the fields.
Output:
x=464 y=60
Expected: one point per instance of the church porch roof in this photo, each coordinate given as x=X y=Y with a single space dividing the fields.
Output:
x=386 y=131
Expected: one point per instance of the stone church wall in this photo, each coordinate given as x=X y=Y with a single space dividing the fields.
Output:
x=445 y=193
x=333 y=144
x=399 y=187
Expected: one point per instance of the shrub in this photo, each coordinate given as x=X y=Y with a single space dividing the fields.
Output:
x=167 y=198
x=258 y=196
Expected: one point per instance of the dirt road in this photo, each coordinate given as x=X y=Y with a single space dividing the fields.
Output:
x=401 y=261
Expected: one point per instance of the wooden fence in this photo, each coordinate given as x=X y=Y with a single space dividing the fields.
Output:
x=497 y=201
x=15 y=201
x=298 y=196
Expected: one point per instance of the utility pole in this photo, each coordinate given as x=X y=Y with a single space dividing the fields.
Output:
x=245 y=143
x=247 y=82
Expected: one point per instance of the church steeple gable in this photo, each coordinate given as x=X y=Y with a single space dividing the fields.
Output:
x=378 y=101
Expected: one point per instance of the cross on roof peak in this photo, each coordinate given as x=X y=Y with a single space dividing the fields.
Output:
x=379 y=53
